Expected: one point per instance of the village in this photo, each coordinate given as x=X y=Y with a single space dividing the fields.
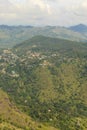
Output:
x=10 y=59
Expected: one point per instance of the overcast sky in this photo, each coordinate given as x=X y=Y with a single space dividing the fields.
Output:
x=43 y=12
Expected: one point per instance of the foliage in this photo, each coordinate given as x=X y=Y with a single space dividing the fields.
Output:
x=47 y=79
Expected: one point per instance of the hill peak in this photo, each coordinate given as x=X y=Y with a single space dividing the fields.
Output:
x=81 y=28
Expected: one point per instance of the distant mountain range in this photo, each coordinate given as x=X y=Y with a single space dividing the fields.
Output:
x=81 y=28
x=12 y=35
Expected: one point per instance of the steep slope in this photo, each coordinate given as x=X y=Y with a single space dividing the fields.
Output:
x=12 y=118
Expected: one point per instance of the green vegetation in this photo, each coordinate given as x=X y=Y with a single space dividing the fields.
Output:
x=47 y=80
x=12 y=118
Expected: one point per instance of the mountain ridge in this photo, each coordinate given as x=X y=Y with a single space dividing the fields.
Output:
x=12 y=35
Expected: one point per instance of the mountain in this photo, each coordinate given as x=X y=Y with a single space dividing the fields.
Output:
x=81 y=28
x=11 y=27
x=42 y=43
x=12 y=35
x=46 y=78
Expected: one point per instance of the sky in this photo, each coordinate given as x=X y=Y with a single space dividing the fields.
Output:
x=43 y=12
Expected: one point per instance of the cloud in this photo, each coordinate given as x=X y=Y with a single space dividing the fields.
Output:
x=43 y=12
x=6 y=6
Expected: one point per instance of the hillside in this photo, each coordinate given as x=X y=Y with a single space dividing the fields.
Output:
x=52 y=45
x=47 y=79
x=11 y=118
x=12 y=35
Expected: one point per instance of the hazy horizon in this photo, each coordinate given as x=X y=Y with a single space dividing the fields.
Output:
x=27 y=25
x=43 y=12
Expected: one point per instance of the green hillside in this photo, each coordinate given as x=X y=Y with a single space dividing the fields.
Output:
x=12 y=118
x=52 y=45
x=47 y=79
